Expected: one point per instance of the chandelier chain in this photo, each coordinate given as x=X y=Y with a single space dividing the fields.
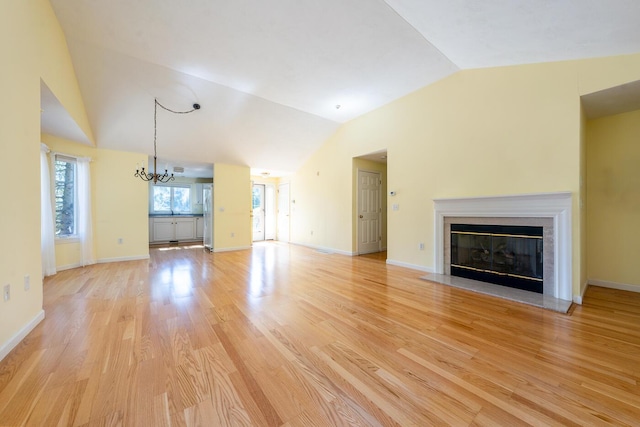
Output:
x=155 y=119
x=155 y=176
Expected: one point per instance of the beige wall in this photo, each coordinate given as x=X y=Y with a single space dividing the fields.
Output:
x=613 y=196
x=231 y=207
x=496 y=131
x=322 y=199
x=119 y=205
x=33 y=48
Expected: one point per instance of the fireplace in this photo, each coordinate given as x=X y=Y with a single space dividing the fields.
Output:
x=505 y=255
x=552 y=261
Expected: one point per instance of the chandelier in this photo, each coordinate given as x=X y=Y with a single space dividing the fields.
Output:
x=155 y=176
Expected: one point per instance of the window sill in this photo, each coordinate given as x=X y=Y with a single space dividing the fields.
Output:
x=66 y=240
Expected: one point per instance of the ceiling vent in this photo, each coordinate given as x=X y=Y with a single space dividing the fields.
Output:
x=178 y=169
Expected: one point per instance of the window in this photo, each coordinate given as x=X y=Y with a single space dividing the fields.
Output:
x=65 y=196
x=172 y=199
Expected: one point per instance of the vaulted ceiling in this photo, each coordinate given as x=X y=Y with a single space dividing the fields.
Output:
x=276 y=78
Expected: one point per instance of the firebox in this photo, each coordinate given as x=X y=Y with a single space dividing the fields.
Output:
x=501 y=254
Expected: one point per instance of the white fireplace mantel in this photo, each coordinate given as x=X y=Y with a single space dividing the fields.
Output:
x=541 y=205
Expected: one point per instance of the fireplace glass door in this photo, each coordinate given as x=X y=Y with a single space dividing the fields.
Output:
x=504 y=255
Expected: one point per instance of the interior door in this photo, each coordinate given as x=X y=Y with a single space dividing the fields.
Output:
x=369 y=215
x=269 y=212
x=283 y=212
x=258 y=212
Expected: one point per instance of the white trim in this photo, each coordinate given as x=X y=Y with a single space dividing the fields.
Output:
x=66 y=240
x=325 y=249
x=20 y=335
x=237 y=248
x=124 y=258
x=578 y=298
x=542 y=205
x=411 y=266
x=614 y=285
x=102 y=261
x=68 y=266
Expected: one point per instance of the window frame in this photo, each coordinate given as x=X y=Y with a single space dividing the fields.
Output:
x=67 y=238
x=172 y=188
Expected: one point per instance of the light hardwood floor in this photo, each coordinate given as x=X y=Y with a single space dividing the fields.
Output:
x=284 y=335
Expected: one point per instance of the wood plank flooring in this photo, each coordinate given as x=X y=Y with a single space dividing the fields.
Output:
x=282 y=335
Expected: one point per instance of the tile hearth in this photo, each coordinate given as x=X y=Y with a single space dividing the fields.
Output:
x=512 y=294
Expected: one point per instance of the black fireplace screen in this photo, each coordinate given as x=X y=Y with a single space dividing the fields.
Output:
x=504 y=255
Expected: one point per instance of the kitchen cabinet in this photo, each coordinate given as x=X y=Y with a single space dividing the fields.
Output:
x=165 y=229
x=185 y=228
x=199 y=228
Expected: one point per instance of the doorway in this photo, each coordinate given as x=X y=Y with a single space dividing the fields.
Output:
x=264 y=219
x=283 y=212
x=258 y=212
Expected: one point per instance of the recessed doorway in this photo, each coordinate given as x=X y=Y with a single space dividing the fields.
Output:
x=370 y=203
x=264 y=220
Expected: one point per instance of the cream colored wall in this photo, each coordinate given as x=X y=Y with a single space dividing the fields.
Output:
x=119 y=205
x=231 y=207
x=33 y=48
x=367 y=165
x=496 y=131
x=613 y=195
x=321 y=199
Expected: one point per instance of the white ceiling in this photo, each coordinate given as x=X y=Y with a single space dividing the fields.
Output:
x=269 y=75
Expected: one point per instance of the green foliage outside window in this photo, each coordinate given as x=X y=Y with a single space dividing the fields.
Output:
x=171 y=199
x=65 y=196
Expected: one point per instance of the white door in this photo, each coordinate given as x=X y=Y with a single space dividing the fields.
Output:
x=258 y=212
x=269 y=212
x=283 y=212
x=369 y=214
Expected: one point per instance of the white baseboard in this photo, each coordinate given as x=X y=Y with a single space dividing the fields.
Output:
x=103 y=261
x=67 y=267
x=124 y=258
x=411 y=266
x=325 y=249
x=238 y=248
x=20 y=335
x=578 y=298
x=614 y=285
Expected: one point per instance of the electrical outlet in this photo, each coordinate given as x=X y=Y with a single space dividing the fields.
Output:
x=27 y=282
x=233 y=234
x=312 y=232
x=120 y=240
x=6 y=292
x=421 y=246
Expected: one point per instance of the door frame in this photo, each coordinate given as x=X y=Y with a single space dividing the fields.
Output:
x=357 y=213
x=264 y=190
x=288 y=215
